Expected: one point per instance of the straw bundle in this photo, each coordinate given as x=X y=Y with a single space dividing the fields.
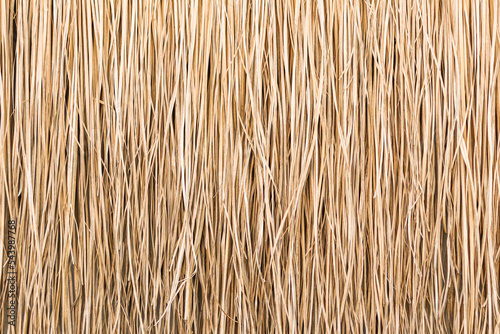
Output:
x=250 y=166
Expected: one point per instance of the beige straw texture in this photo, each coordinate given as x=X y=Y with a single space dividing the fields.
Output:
x=250 y=166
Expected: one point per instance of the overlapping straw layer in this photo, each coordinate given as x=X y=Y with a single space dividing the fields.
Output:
x=251 y=166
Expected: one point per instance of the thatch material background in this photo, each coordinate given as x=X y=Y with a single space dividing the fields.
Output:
x=251 y=166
